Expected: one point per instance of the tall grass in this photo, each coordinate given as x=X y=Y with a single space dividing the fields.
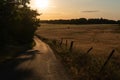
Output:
x=82 y=66
x=11 y=51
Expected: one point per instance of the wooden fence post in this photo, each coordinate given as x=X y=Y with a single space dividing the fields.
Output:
x=66 y=43
x=89 y=50
x=107 y=60
x=71 y=46
x=61 y=42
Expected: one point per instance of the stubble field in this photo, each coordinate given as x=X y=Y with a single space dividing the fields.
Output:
x=98 y=64
x=102 y=37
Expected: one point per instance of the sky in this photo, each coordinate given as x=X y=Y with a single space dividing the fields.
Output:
x=69 y=9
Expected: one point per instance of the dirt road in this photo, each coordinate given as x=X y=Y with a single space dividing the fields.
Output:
x=39 y=63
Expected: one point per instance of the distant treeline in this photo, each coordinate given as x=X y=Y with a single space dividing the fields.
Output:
x=82 y=21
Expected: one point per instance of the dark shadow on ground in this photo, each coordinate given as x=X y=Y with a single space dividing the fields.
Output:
x=9 y=70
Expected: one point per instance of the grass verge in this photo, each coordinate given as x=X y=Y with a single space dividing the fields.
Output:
x=82 y=66
x=11 y=51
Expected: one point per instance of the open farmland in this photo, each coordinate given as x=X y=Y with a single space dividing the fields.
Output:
x=102 y=37
x=96 y=65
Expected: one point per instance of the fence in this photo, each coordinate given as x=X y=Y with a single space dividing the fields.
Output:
x=70 y=44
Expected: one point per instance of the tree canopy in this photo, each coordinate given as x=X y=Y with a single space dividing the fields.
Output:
x=18 y=22
x=82 y=21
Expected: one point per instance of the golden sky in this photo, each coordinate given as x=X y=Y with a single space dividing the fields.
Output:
x=67 y=9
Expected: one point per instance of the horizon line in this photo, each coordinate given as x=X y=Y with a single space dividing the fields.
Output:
x=79 y=18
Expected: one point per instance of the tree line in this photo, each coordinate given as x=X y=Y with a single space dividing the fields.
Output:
x=82 y=21
x=18 y=22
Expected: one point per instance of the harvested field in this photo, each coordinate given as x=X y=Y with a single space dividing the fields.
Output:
x=102 y=37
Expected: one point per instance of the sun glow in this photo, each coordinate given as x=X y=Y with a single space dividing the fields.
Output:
x=40 y=4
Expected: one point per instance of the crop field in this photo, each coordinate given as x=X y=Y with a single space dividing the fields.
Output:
x=102 y=37
x=102 y=61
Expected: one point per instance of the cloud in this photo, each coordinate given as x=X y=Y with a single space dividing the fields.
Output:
x=90 y=11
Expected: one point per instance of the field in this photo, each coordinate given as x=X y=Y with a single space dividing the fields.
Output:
x=102 y=37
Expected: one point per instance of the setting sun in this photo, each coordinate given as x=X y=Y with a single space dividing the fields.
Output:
x=68 y=9
x=40 y=4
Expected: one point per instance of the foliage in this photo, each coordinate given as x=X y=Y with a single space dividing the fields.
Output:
x=17 y=22
x=118 y=22
x=81 y=21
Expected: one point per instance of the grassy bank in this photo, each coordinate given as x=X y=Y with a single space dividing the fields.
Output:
x=84 y=66
x=11 y=51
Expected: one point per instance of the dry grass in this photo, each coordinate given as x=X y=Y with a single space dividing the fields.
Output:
x=11 y=51
x=103 y=37
x=82 y=66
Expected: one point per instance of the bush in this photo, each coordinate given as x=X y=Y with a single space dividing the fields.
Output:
x=17 y=24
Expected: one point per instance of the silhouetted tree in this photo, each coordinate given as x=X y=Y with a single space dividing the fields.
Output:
x=118 y=22
x=81 y=21
x=18 y=22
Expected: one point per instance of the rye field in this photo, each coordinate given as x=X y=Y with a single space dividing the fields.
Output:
x=102 y=37
x=95 y=51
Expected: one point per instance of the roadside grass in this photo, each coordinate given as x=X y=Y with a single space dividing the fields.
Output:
x=5 y=56
x=11 y=51
x=83 y=66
